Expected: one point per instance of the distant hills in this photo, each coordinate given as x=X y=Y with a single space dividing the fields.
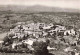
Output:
x=35 y=8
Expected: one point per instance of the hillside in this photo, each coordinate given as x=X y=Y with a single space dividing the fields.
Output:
x=11 y=14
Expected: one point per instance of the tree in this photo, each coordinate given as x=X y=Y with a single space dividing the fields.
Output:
x=40 y=47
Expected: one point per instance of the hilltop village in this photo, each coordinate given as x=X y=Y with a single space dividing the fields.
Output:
x=21 y=38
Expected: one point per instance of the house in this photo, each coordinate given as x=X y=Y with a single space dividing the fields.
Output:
x=1 y=43
x=70 y=32
x=68 y=49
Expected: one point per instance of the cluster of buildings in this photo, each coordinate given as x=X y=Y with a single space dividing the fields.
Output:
x=23 y=35
x=40 y=30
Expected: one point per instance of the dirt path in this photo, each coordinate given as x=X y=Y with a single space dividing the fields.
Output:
x=2 y=35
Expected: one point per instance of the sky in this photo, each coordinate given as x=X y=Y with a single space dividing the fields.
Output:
x=52 y=3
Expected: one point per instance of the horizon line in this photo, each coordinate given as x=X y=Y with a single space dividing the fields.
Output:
x=37 y=5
